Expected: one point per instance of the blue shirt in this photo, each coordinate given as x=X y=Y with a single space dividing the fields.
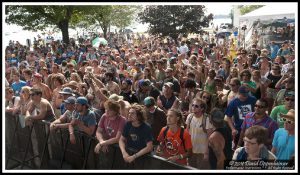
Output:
x=239 y=109
x=17 y=87
x=137 y=137
x=284 y=144
x=274 y=51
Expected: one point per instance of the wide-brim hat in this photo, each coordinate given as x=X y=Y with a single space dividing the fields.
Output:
x=290 y=115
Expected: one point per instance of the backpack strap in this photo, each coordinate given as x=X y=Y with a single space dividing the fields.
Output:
x=181 y=137
x=204 y=122
x=189 y=121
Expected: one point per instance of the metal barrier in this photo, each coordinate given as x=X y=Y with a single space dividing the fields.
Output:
x=56 y=152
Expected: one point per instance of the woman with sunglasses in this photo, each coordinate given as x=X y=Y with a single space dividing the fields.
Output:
x=289 y=103
x=284 y=139
x=254 y=147
x=199 y=127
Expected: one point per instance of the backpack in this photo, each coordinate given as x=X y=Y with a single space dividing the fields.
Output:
x=203 y=122
x=181 y=135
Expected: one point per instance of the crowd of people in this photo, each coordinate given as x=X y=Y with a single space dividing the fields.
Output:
x=191 y=101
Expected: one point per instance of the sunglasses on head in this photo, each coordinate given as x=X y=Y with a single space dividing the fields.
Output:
x=288 y=121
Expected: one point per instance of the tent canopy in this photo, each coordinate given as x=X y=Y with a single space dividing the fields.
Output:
x=272 y=11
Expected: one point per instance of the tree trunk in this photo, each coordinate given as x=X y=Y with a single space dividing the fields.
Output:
x=105 y=31
x=64 y=26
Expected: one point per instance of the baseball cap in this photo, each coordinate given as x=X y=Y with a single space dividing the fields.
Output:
x=217 y=115
x=67 y=91
x=149 y=101
x=82 y=101
x=70 y=100
x=145 y=82
x=244 y=90
x=169 y=84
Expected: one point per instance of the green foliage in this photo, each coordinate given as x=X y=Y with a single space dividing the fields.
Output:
x=249 y=8
x=166 y=20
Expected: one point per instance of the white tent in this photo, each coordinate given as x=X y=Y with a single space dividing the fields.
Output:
x=267 y=13
x=272 y=11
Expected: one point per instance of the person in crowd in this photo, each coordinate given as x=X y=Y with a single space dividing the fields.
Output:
x=168 y=99
x=236 y=111
x=39 y=108
x=289 y=86
x=112 y=86
x=289 y=103
x=17 y=84
x=65 y=119
x=234 y=85
x=127 y=93
x=199 y=127
x=110 y=126
x=233 y=74
x=259 y=117
x=155 y=117
x=84 y=119
x=24 y=101
x=284 y=138
x=210 y=82
x=254 y=147
x=146 y=89
x=11 y=101
x=219 y=141
x=175 y=141
x=170 y=78
x=136 y=139
x=64 y=94
x=37 y=84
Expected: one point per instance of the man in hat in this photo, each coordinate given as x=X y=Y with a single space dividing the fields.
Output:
x=65 y=93
x=168 y=99
x=146 y=89
x=155 y=117
x=289 y=103
x=173 y=80
x=84 y=120
x=284 y=138
x=64 y=120
x=37 y=83
x=236 y=111
x=219 y=141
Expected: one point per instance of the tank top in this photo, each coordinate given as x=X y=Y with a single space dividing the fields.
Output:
x=226 y=133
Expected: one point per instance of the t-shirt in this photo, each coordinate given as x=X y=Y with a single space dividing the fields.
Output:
x=137 y=137
x=173 y=145
x=284 y=144
x=198 y=136
x=250 y=83
x=109 y=127
x=89 y=119
x=239 y=109
x=17 y=87
x=275 y=114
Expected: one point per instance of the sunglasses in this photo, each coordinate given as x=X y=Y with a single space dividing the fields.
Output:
x=288 y=121
x=259 y=106
x=290 y=99
x=33 y=94
x=198 y=106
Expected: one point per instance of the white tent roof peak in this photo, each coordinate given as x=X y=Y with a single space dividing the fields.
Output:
x=272 y=11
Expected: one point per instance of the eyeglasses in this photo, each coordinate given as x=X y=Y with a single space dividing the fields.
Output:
x=246 y=140
x=198 y=106
x=259 y=106
x=290 y=99
x=288 y=121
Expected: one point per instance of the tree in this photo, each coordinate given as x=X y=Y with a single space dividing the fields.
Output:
x=166 y=20
x=40 y=17
x=249 y=8
x=106 y=16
